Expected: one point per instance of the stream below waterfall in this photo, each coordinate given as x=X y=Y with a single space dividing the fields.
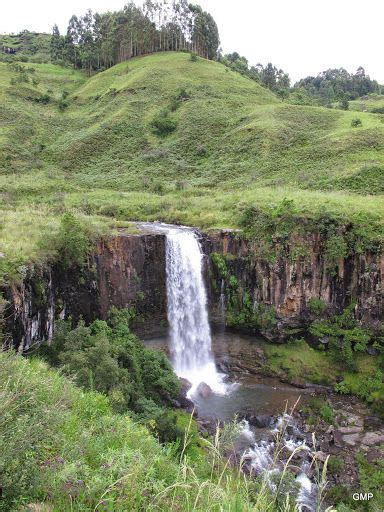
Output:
x=264 y=399
x=222 y=372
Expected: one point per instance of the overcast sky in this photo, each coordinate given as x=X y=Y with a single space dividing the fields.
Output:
x=301 y=36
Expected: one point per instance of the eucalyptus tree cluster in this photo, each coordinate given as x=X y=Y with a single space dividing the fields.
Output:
x=98 y=41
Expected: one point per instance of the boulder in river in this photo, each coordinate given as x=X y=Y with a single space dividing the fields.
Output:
x=204 y=390
x=185 y=384
x=260 y=421
x=182 y=399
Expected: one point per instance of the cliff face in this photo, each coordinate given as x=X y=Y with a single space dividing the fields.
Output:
x=129 y=271
x=124 y=271
x=289 y=283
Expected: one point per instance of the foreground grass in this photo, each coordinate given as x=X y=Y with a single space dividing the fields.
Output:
x=64 y=448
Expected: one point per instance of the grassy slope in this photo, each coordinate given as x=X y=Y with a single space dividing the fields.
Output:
x=235 y=144
x=33 y=45
x=368 y=103
x=63 y=447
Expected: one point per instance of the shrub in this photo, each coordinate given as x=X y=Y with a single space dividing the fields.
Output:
x=335 y=464
x=316 y=306
x=62 y=104
x=73 y=242
x=43 y=98
x=356 y=122
x=110 y=359
x=336 y=249
x=193 y=57
x=321 y=409
x=162 y=124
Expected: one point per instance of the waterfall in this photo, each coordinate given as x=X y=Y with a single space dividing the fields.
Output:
x=190 y=335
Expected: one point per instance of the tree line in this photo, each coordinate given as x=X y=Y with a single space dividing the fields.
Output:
x=98 y=41
x=268 y=76
x=326 y=88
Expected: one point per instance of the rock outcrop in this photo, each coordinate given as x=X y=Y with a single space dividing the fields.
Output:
x=289 y=283
x=128 y=271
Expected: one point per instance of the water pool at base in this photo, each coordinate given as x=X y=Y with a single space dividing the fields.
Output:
x=239 y=355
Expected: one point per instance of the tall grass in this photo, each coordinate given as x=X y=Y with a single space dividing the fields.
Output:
x=63 y=448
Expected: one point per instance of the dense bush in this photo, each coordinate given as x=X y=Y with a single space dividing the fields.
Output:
x=72 y=242
x=112 y=360
x=343 y=335
x=356 y=122
x=162 y=124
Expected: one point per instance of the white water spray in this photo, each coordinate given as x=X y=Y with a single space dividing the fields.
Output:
x=187 y=310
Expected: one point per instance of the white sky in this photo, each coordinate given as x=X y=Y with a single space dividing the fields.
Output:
x=301 y=36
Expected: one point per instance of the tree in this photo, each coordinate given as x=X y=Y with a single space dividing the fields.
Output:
x=72 y=41
x=57 y=44
x=338 y=85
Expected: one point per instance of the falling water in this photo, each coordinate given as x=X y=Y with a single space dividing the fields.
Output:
x=222 y=304
x=187 y=310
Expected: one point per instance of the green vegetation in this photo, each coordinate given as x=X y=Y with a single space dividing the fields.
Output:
x=338 y=85
x=335 y=465
x=371 y=477
x=25 y=47
x=318 y=408
x=240 y=311
x=301 y=363
x=340 y=359
x=356 y=122
x=65 y=449
x=370 y=103
x=234 y=145
x=110 y=359
x=98 y=41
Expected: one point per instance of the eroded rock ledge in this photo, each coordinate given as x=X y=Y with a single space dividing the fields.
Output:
x=289 y=283
x=128 y=270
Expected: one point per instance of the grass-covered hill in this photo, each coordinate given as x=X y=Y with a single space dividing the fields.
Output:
x=371 y=103
x=26 y=45
x=172 y=138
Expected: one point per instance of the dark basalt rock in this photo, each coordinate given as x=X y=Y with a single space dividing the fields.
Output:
x=128 y=271
x=287 y=285
x=260 y=421
x=125 y=271
x=204 y=390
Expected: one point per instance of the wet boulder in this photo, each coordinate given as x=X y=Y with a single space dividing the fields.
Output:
x=182 y=400
x=185 y=385
x=204 y=390
x=260 y=421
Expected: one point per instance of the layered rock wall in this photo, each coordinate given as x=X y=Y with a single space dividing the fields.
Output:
x=290 y=282
x=128 y=271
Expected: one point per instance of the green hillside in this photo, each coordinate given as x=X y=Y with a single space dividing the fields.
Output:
x=70 y=451
x=31 y=46
x=164 y=137
x=372 y=103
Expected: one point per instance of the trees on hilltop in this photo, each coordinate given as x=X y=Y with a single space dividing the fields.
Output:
x=98 y=41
